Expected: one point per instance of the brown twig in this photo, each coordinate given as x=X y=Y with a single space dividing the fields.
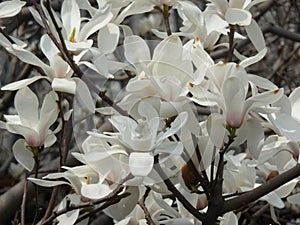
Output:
x=142 y=204
x=171 y=187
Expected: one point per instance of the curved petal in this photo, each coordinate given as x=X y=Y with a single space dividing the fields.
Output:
x=31 y=136
x=47 y=183
x=255 y=35
x=140 y=163
x=288 y=126
x=95 y=191
x=66 y=85
x=11 y=8
x=253 y=59
x=99 y=20
x=23 y=155
x=255 y=137
x=21 y=83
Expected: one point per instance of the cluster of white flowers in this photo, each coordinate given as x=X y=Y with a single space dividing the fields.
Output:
x=155 y=125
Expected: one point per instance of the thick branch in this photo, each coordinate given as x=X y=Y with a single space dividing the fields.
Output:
x=255 y=194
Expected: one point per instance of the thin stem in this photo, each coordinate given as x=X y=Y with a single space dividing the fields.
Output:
x=231 y=42
x=142 y=204
x=171 y=187
x=23 y=205
x=7 y=36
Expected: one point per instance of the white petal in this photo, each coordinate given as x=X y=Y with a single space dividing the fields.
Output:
x=108 y=38
x=251 y=60
x=48 y=47
x=30 y=58
x=23 y=155
x=47 y=183
x=295 y=101
x=136 y=50
x=176 y=125
x=288 y=126
x=294 y=199
x=70 y=15
x=49 y=112
x=31 y=136
x=140 y=164
x=99 y=20
x=27 y=106
x=229 y=219
x=21 y=83
x=95 y=191
x=70 y=217
x=261 y=82
x=216 y=129
x=83 y=96
x=66 y=85
x=255 y=137
x=274 y=200
x=234 y=96
x=11 y=8
x=255 y=35
x=170 y=148
x=238 y=17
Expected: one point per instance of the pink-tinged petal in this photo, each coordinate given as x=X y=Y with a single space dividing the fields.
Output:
x=255 y=137
x=295 y=101
x=23 y=155
x=99 y=20
x=66 y=85
x=294 y=199
x=229 y=219
x=238 y=17
x=60 y=67
x=70 y=15
x=108 y=38
x=27 y=106
x=234 y=96
x=95 y=191
x=11 y=8
x=141 y=163
x=253 y=59
x=47 y=183
x=255 y=35
x=288 y=126
x=31 y=136
x=136 y=51
x=21 y=83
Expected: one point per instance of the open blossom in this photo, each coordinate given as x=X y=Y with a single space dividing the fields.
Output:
x=31 y=122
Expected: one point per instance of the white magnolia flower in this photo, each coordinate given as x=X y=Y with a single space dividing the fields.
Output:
x=235 y=12
x=32 y=123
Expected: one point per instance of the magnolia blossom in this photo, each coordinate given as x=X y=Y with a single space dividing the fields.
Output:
x=32 y=123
